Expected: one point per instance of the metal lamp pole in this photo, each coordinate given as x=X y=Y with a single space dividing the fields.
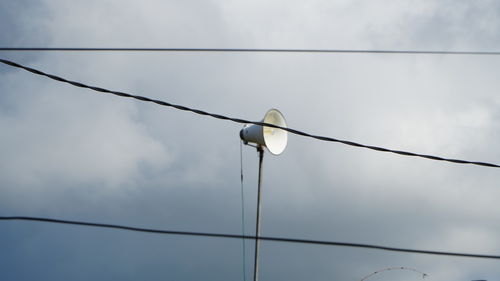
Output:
x=260 y=150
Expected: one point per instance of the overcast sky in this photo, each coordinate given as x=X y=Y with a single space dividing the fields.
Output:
x=71 y=153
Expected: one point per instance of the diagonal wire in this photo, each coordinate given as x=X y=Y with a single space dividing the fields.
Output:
x=247 y=50
x=243 y=121
x=235 y=236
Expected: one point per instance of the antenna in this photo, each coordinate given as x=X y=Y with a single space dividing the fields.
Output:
x=275 y=140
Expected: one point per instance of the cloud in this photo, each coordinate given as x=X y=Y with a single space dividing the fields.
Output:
x=92 y=143
x=76 y=154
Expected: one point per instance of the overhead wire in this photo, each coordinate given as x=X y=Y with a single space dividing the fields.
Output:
x=247 y=50
x=243 y=121
x=237 y=236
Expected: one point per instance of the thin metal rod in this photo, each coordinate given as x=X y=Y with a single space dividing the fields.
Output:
x=260 y=150
x=243 y=214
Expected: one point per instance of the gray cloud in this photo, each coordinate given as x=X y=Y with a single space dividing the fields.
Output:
x=74 y=154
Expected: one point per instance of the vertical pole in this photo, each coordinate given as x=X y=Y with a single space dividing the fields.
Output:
x=260 y=150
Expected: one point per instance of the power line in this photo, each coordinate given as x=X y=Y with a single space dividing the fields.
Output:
x=243 y=121
x=235 y=236
x=247 y=50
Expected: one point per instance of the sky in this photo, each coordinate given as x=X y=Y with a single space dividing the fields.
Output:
x=71 y=153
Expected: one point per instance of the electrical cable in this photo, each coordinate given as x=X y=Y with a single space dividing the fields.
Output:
x=246 y=50
x=235 y=236
x=243 y=121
